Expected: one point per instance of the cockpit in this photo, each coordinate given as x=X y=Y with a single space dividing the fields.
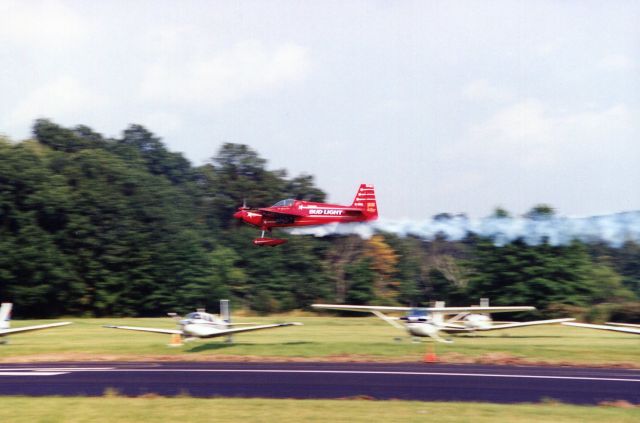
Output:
x=418 y=312
x=284 y=203
x=199 y=316
x=417 y=315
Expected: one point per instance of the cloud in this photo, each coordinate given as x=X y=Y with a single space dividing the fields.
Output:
x=482 y=90
x=162 y=122
x=45 y=24
x=245 y=69
x=64 y=98
x=516 y=131
x=531 y=134
x=616 y=62
x=523 y=120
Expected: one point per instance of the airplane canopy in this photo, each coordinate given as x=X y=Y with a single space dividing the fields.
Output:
x=418 y=312
x=200 y=316
x=284 y=203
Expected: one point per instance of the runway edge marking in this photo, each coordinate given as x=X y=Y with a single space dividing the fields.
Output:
x=32 y=373
x=399 y=373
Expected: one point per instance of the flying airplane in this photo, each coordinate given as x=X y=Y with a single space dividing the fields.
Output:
x=201 y=324
x=430 y=321
x=615 y=327
x=293 y=213
x=5 y=325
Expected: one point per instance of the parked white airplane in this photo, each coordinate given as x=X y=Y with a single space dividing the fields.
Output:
x=616 y=327
x=5 y=323
x=429 y=321
x=201 y=324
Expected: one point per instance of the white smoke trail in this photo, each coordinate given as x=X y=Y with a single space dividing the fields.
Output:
x=613 y=229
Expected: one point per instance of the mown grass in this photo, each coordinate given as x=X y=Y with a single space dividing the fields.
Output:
x=155 y=410
x=327 y=338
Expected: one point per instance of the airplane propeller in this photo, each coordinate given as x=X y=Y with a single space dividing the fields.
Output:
x=239 y=211
x=244 y=205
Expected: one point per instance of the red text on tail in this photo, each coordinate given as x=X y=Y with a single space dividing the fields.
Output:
x=366 y=200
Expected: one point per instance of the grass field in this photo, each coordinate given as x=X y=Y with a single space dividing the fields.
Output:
x=142 y=410
x=324 y=338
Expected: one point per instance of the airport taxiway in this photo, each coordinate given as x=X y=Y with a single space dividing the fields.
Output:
x=427 y=382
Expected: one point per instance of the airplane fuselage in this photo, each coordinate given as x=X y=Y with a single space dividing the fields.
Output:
x=203 y=326
x=293 y=213
x=300 y=213
x=427 y=325
x=421 y=329
x=201 y=330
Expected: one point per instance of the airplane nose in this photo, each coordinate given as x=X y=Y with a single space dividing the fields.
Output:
x=238 y=214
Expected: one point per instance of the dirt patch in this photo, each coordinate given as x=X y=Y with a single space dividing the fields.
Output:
x=619 y=404
x=496 y=358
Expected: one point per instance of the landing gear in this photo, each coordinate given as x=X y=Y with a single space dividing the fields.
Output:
x=271 y=242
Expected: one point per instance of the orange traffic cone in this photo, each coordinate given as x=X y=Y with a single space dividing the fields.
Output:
x=430 y=356
x=176 y=340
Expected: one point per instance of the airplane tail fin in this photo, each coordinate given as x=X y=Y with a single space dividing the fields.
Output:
x=5 y=315
x=366 y=200
x=225 y=311
x=225 y=314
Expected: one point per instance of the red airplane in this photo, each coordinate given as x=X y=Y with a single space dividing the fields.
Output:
x=292 y=213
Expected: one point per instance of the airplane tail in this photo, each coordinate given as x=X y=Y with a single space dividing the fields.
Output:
x=225 y=314
x=225 y=311
x=5 y=315
x=366 y=200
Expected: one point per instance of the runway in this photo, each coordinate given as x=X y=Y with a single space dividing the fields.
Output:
x=427 y=382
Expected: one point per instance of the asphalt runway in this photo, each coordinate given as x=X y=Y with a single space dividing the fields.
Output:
x=428 y=382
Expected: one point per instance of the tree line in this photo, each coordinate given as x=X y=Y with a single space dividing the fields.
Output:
x=95 y=226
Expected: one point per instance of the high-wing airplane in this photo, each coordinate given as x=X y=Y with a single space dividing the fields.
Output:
x=5 y=323
x=292 y=213
x=615 y=327
x=430 y=321
x=201 y=324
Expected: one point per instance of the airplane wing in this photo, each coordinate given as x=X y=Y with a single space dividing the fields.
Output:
x=155 y=330
x=629 y=325
x=476 y=309
x=271 y=213
x=352 y=210
x=241 y=324
x=250 y=329
x=522 y=324
x=5 y=332
x=605 y=327
x=295 y=213
x=347 y=307
x=445 y=310
x=223 y=332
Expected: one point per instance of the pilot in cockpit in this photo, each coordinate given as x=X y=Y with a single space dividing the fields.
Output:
x=284 y=203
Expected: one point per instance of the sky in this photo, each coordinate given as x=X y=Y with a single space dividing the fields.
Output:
x=446 y=106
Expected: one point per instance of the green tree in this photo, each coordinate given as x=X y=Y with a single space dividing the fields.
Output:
x=500 y=213
x=534 y=275
x=626 y=260
x=290 y=276
x=34 y=273
x=66 y=140
x=540 y=212
x=608 y=286
x=361 y=279
x=139 y=144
